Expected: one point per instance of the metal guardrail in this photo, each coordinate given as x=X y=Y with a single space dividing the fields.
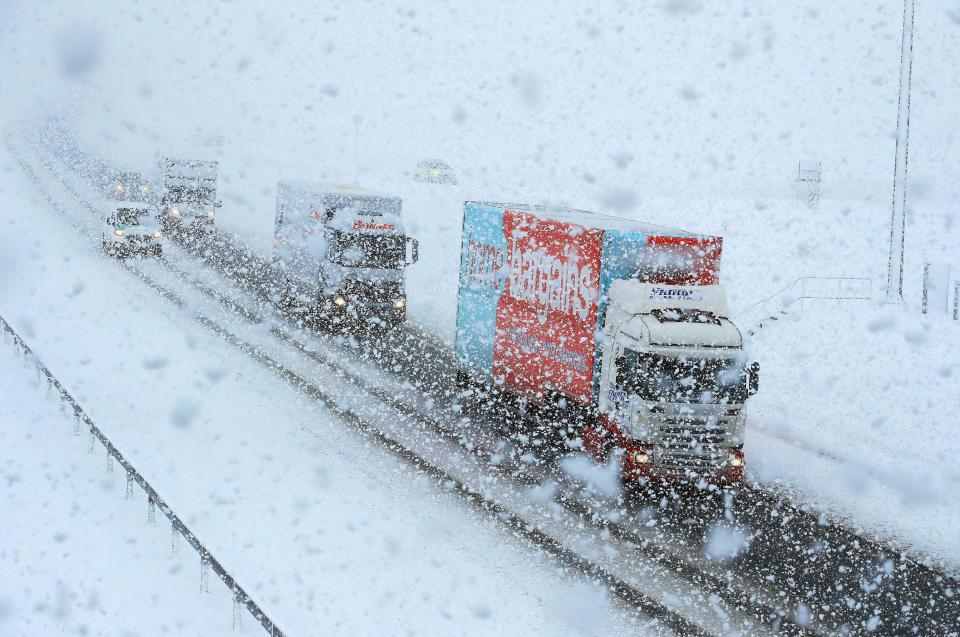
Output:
x=805 y=282
x=154 y=500
x=812 y=288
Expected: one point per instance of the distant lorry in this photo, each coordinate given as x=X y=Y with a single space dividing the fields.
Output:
x=186 y=192
x=618 y=329
x=132 y=230
x=340 y=252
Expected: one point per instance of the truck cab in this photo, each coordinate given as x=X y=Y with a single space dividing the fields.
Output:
x=673 y=384
x=132 y=229
x=341 y=252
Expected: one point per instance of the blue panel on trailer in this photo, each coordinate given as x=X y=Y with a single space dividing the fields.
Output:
x=483 y=255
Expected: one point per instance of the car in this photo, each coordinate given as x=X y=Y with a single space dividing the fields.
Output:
x=133 y=229
x=433 y=171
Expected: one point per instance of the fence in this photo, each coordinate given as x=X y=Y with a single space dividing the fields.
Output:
x=154 y=501
x=806 y=290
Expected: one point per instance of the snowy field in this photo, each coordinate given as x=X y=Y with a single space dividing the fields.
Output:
x=77 y=558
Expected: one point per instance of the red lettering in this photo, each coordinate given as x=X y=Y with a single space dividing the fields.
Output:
x=360 y=224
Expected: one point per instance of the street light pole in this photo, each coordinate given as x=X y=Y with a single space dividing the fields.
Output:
x=898 y=220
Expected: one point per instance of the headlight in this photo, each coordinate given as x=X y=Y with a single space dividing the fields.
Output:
x=119 y=187
x=640 y=457
x=736 y=461
x=157 y=235
x=210 y=214
x=118 y=232
x=340 y=301
x=174 y=213
x=399 y=303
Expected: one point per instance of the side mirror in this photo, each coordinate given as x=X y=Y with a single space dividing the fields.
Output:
x=753 y=379
x=413 y=251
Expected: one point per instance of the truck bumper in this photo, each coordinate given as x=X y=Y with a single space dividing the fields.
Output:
x=648 y=472
x=123 y=250
x=376 y=314
x=637 y=465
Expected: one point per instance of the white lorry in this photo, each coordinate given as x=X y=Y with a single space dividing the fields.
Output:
x=187 y=192
x=132 y=230
x=340 y=253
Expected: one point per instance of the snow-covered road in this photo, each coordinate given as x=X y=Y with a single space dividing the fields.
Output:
x=326 y=530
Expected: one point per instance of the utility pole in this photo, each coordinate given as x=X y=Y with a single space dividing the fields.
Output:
x=898 y=220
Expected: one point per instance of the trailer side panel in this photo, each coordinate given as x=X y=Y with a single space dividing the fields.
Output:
x=546 y=318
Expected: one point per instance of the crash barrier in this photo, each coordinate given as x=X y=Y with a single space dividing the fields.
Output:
x=241 y=599
x=805 y=290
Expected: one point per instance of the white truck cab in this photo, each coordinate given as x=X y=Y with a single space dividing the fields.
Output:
x=341 y=251
x=132 y=228
x=674 y=381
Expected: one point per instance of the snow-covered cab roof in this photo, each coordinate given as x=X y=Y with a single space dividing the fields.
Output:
x=328 y=188
x=635 y=297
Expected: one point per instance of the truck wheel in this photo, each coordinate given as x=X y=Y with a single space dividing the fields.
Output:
x=462 y=382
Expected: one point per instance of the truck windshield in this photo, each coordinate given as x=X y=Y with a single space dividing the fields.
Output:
x=190 y=194
x=129 y=216
x=677 y=379
x=369 y=250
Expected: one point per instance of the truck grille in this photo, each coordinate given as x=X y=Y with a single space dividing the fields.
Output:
x=694 y=444
x=371 y=292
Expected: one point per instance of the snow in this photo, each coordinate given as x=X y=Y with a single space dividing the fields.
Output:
x=77 y=557
x=867 y=433
x=681 y=113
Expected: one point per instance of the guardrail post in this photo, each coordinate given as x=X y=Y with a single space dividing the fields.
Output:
x=204 y=574
x=956 y=301
x=236 y=609
x=109 y=462
x=174 y=540
x=129 y=492
x=926 y=282
x=151 y=510
x=91 y=440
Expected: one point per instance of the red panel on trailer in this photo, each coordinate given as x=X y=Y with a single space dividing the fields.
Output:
x=686 y=260
x=545 y=321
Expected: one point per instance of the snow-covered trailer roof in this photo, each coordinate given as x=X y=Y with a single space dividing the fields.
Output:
x=588 y=219
x=328 y=188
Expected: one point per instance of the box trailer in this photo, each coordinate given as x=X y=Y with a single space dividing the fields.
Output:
x=187 y=192
x=546 y=311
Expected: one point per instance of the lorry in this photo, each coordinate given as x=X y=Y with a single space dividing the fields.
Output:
x=132 y=229
x=186 y=192
x=618 y=329
x=340 y=253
